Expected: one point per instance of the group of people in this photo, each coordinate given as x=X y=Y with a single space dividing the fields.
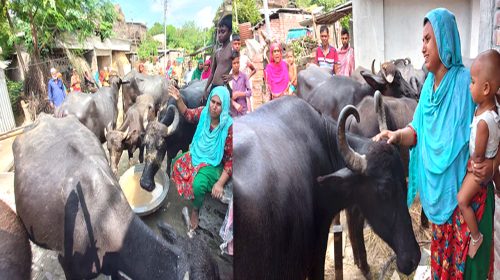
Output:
x=57 y=89
x=281 y=76
x=335 y=61
x=453 y=138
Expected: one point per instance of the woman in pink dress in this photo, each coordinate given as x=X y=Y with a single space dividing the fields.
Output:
x=276 y=73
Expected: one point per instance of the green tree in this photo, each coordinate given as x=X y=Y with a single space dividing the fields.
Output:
x=328 y=4
x=44 y=21
x=247 y=10
x=148 y=48
x=156 y=29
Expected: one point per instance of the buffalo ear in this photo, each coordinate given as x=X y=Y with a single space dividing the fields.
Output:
x=342 y=177
x=375 y=81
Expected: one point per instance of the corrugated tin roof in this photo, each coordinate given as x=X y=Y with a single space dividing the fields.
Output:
x=332 y=16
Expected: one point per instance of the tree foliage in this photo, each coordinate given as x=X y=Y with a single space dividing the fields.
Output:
x=327 y=4
x=247 y=10
x=148 y=48
x=188 y=37
x=156 y=29
x=42 y=21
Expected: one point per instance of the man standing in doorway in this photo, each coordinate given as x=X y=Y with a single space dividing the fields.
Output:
x=346 y=55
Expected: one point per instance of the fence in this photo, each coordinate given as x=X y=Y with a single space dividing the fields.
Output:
x=6 y=115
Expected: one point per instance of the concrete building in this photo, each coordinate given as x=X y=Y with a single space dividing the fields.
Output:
x=389 y=29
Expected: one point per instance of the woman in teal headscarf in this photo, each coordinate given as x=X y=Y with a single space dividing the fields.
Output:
x=438 y=137
x=207 y=166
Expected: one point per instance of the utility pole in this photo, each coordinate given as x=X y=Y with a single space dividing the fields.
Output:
x=266 y=16
x=165 y=35
x=236 y=11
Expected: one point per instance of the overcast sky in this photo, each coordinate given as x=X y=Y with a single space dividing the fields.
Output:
x=178 y=11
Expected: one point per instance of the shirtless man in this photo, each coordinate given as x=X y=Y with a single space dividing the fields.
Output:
x=221 y=62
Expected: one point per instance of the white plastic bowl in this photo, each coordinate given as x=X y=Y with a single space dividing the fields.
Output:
x=159 y=194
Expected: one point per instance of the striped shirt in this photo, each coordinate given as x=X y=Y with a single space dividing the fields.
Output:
x=328 y=60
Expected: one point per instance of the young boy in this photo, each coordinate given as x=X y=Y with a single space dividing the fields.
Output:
x=221 y=61
x=241 y=89
x=246 y=65
x=484 y=136
x=292 y=71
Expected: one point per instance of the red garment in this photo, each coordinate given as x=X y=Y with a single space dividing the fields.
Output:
x=449 y=245
x=184 y=172
x=327 y=61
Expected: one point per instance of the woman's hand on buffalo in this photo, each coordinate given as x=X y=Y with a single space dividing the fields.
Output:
x=392 y=137
x=174 y=92
x=218 y=190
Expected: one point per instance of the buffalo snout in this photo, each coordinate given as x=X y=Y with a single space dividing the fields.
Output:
x=407 y=262
x=147 y=182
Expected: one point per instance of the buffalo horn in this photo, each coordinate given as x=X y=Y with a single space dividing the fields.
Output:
x=173 y=126
x=379 y=108
x=108 y=128
x=125 y=133
x=373 y=67
x=354 y=161
x=145 y=119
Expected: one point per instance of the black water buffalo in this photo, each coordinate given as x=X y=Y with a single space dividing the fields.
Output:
x=139 y=84
x=159 y=140
x=329 y=94
x=394 y=113
x=15 y=250
x=96 y=110
x=70 y=202
x=131 y=133
x=283 y=212
x=411 y=75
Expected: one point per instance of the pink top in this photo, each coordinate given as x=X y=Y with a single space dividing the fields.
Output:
x=206 y=74
x=276 y=74
x=346 y=59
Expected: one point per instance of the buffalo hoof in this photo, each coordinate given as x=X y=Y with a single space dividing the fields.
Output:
x=148 y=188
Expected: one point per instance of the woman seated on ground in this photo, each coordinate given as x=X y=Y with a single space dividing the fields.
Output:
x=208 y=164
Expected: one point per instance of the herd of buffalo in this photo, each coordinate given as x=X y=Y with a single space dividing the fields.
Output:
x=298 y=161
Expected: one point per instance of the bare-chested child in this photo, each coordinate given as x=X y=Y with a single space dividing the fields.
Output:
x=221 y=62
x=484 y=136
